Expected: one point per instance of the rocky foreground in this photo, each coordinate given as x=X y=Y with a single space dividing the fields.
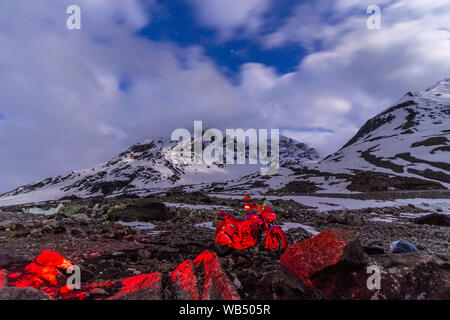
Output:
x=169 y=253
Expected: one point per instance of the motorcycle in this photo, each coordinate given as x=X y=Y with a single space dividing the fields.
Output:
x=235 y=233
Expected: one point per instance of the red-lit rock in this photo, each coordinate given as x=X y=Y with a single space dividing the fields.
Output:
x=307 y=258
x=44 y=273
x=90 y=290
x=216 y=286
x=53 y=259
x=141 y=287
x=3 y=278
x=185 y=281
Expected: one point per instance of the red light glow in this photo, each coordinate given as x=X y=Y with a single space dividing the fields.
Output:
x=184 y=277
x=138 y=283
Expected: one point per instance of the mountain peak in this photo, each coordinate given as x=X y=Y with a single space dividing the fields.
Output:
x=439 y=92
x=146 y=166
x=409 y=139
x=441 y=86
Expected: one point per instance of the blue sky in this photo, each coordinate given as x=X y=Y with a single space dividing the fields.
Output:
x=176 y=22
x=138 y=69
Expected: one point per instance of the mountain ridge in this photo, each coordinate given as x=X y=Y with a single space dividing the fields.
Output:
x=404 y=147
x=147 y=166
x=409 y=138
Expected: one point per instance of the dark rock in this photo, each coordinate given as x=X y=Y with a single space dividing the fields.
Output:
x=367 y=181
x=145 y=210
x=297 y=187
x=354 y=220
x=335 y=217
x=373 y=250
x=434 y=219
x=29 y=293
x=6 y=260
x=128 y=196
x=70 y=198
x=413 y=276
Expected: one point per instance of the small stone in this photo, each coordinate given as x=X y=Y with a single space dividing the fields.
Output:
x=99 y=292
x=35 y=233
x=82 y=218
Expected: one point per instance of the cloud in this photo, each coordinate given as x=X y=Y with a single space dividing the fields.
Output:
x=355 y=73
x=230 y=16
x=323 y=141
x=73 y=98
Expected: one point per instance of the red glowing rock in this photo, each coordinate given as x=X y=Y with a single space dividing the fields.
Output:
x=80 y=296
x=185 y=281
x=65 y=289
x=3 y=278
x=217 y=286
x=309 y=257
x=53 y=259
x=14 y=275
x=43 y=273
x=101 y=284
x=137 y=287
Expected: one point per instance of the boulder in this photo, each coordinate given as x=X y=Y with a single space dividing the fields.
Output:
x=6 y=260
x=434 y=219
x=413 y=276
x=81 y=218
x=72 y=210
x=44 y=273
x=145 y=211
x=335 y=217
x=342 y=218
x=141 y=287
x=216 y=285
x=12 y=293
x=373 y=250
x=309 y=257
x=185 y=282
x=354 y=220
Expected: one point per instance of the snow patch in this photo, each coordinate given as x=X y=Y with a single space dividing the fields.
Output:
x=207 y=225
x=294 y=225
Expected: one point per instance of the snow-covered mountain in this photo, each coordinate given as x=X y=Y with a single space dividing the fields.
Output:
x=406 y=147
x=148 y=167
x=409 y=139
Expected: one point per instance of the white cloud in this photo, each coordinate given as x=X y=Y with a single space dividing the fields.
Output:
x=230 y=16
x=325 y=142
x=64 y=110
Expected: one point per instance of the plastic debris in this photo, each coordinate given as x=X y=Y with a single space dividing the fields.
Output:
x=403 y=247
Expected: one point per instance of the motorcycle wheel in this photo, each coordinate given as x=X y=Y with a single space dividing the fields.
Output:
x=275 y=254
